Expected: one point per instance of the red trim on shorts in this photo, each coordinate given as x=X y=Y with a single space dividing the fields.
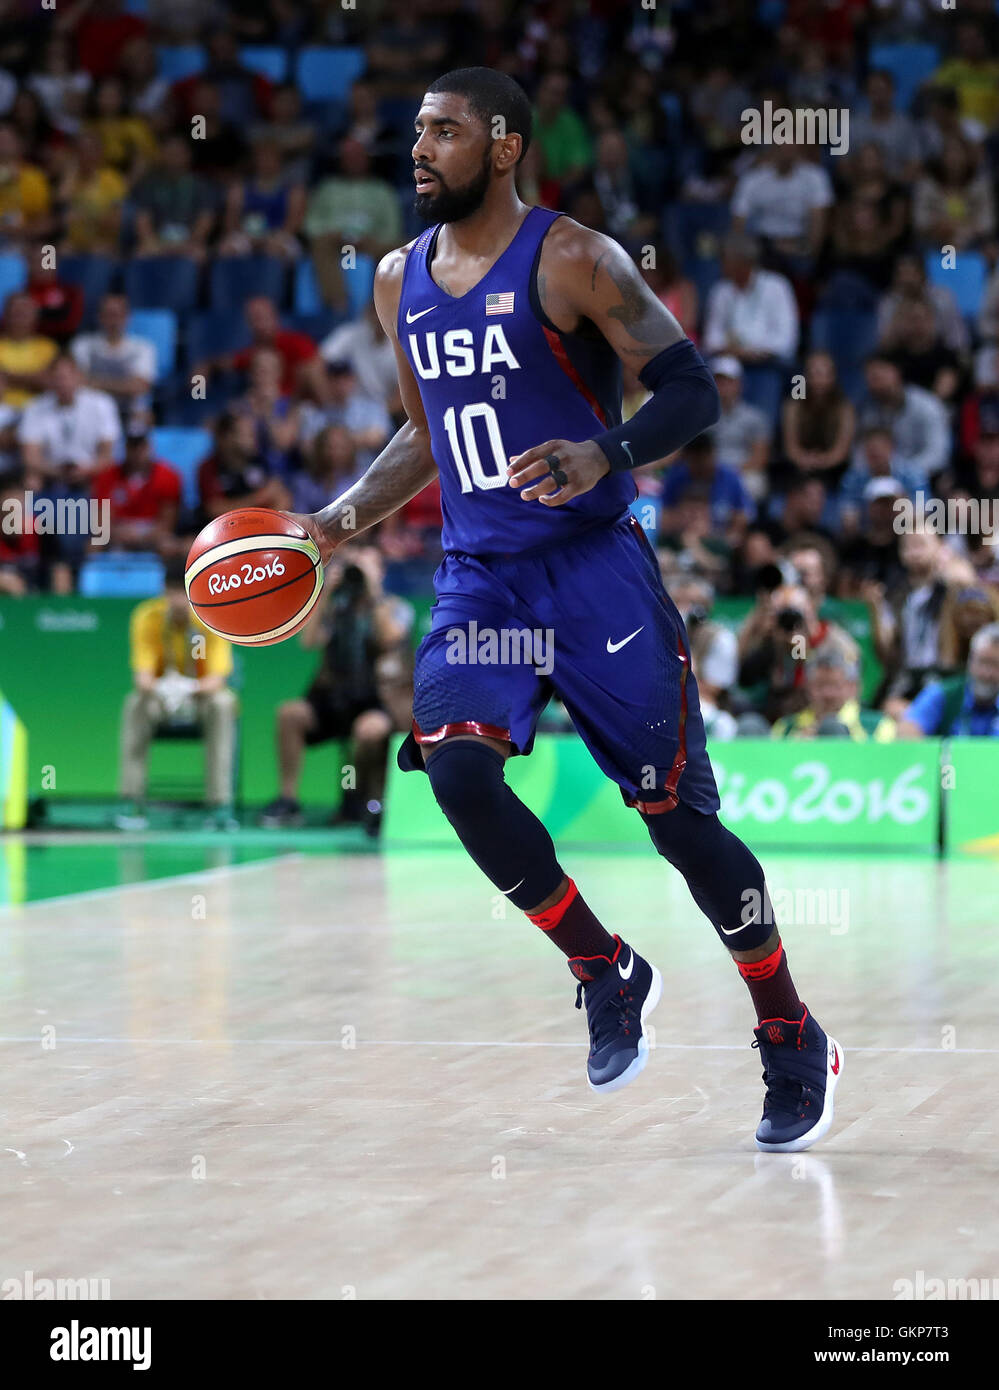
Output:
x=671 y=799
x=465 y=726
x=562 y=358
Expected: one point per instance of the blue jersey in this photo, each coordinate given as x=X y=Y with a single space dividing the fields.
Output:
x=496 y=378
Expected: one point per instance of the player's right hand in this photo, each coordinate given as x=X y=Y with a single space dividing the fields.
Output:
x=317 y=531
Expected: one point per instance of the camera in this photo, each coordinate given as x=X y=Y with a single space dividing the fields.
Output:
x=790 y=619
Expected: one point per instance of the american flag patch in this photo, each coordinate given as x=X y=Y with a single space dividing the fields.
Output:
x=499 y=303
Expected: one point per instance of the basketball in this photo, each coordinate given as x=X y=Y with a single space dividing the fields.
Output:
x=253 y=576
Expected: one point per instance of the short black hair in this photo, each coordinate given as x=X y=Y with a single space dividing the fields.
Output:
x=491 y=93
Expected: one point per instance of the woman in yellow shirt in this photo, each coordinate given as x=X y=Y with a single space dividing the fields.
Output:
x=127 y=141
x=92 y=195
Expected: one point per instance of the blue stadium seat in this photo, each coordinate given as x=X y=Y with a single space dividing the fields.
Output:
x=910 y=64
x=267 y=61
x=966 y=281
x=13 y=274
x=316 y=326
x=305 y=297
x=121 y=575
x=95 y=275
x=210 y=334
x=327 y=74
x=183 y=61
x=160 y=327
x=849 y=335
x=162 y=282
x=235 y=279
x=360 y=282
x=184 y=450
x=705 y=274
x=695 y=230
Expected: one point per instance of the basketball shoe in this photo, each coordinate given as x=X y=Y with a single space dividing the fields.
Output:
x=801 y=1066
x=618 y=1000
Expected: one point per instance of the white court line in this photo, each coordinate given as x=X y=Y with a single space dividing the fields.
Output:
x=454 y=1042
x=195 y=876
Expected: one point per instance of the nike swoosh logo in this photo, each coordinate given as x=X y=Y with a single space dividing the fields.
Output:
x=624 y=446
x=725 y=932
x=411 y=317
x=626 y=974
x=616 y=646
x=835 y=1066
x=510 y=890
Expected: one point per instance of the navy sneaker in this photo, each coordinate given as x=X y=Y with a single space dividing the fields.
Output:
x=618 y=1001
x=801 y=1066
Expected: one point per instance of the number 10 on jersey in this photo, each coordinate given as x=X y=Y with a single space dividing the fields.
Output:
x=465 y=450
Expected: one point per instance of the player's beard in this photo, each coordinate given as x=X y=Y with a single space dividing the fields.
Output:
x=452 y=204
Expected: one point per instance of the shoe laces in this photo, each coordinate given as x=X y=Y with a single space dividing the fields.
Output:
x=784 y=1093
x=604 y=1024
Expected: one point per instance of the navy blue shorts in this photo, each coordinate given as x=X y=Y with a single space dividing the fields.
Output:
x=588 y=621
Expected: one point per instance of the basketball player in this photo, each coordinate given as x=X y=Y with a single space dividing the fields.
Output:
x=510 y=324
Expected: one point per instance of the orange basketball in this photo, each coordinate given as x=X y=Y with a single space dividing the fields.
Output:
x=253 y=576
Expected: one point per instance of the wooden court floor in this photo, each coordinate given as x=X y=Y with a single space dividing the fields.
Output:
x=328 y=1076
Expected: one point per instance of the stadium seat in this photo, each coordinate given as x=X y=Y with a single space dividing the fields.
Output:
x=162 y=282
x=316 y=326
x=13 y=274
x=160 y=327
x=360 y=282
x=910 y=64
x=235 y=279
x=305 y=297
x=183 y=61
x=849 y=335
x=121 y=575
x=269 y=62
x=326 y=74
x=966 y=281
x=695 y=230
x=184 y=450
x=210 y=334
x=94 y=275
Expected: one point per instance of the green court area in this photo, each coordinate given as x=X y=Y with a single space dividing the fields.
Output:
x=35 y=867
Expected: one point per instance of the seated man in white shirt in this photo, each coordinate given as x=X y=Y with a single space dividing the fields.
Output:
x=117 y=362
x=752 y=315
x=66 y=435
x=785 y=199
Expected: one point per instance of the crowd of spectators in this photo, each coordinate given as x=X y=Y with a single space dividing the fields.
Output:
x=828 y=290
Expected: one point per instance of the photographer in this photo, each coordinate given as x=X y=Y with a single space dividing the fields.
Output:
x=362 y=691
x=832 y=698
x=777 y=636
x=713 y=651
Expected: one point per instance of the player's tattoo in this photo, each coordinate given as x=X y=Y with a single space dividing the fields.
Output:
x=651 y=329
x=403 y=468
x=596 y=266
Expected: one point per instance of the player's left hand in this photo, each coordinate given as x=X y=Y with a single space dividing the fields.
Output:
x=582 y=465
